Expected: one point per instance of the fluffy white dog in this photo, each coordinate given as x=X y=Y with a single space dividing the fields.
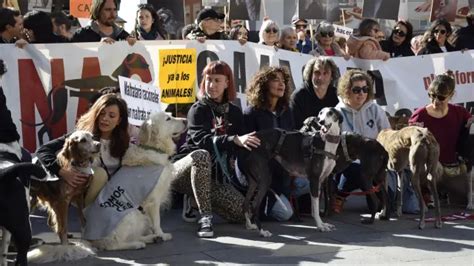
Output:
x=156 y=145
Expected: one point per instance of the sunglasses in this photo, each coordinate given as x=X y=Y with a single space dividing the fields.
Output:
x=437 y=96
x=271 y=30
x=357 y=90
x=301 y=26
x=440 y=31
x=399 y=32
x=327 y=34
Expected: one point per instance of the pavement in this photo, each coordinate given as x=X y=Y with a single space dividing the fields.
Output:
x=393 y=242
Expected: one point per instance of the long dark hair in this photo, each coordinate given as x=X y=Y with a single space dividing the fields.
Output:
x=40 y=23
x=409 y=35
x=157 y=25
x=429 y=36
x=89 y=121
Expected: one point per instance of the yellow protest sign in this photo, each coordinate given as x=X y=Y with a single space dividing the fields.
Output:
x=177 y=75
x=80 y=8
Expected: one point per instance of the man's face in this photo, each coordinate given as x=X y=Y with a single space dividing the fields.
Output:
x=108 y=14
x=212 y=24
x=16 y=30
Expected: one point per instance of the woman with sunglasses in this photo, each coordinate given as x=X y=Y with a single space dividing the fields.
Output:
x=365 y=45
x=362 y=116
x=399 y=42
x=327 y=45
x=450 y=124
x=436 y=38
x=269 y=33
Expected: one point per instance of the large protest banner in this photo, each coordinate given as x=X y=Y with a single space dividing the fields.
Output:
x=48 y=86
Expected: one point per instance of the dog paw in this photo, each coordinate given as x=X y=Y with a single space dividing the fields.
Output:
x=166 y=236
x=421 y=225
x=438 y=224
x=326 y=227
x=367 y=220
x=139 y=245
x=251 y=226
x=265 y=233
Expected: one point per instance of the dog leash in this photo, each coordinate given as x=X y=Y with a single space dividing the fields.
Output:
x=374 y=189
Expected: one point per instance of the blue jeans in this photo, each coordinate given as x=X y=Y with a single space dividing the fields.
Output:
x=281 y=210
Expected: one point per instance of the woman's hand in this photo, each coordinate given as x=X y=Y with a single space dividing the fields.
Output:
x=73 y=177
x=107 y=40
x=131 y=40
x=248 y=141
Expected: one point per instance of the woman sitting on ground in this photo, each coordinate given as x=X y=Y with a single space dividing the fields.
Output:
x=362 y=116
x=216 y=125
x=268 y=96
x=399 y=42
x=450 y=125
x=107 y=120
x=365 y=45
x=148 y=25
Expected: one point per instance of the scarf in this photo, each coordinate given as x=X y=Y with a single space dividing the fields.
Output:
x=220 y=112
x=152 y=35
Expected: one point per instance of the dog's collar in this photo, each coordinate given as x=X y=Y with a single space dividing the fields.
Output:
x=331 y=138
x=146 y=147
x=344 y=147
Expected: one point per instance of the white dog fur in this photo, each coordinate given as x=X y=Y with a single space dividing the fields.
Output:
x=156 y=145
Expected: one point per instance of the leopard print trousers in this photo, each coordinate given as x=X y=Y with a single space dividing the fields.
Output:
x=194 y=178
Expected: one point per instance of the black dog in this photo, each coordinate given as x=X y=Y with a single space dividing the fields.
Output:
x=14 y=205
x=373 y=160
x=301 y=154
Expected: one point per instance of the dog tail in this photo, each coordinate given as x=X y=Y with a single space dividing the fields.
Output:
x=426 y=139
x=53 y=253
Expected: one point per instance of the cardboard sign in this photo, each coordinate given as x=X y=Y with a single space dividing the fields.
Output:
x=142 y=99
x=177 y=75
x=80 y=8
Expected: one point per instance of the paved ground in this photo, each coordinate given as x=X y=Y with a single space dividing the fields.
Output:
x=393 y=242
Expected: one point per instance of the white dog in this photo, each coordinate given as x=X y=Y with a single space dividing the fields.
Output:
x=156 y=145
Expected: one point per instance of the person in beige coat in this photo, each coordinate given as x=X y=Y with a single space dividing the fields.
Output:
x=365 y=45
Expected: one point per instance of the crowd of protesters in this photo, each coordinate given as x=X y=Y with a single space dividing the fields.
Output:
x=273 y=103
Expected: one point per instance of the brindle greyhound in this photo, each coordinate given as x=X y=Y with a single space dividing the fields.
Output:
x=301 y=154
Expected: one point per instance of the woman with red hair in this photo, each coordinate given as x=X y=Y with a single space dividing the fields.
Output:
x=216 y=126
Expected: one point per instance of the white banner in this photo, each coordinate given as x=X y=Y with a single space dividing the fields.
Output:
x=48 y=86
x=142 y=99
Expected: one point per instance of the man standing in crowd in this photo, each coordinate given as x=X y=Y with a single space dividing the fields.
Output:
x=465 y=36
x=102 y=27
x=11 y=25
x=209 y=23
x=304 y=44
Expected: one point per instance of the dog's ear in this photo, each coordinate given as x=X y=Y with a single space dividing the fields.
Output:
x=339 y=115
x=65 y=155
x=145 y=131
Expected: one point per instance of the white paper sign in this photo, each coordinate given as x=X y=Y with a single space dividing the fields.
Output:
x=142 y=99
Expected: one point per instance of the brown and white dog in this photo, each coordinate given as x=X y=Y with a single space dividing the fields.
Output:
x=414 y=147
x=78 y=152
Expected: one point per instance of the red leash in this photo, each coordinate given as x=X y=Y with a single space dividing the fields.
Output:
x=363 y=193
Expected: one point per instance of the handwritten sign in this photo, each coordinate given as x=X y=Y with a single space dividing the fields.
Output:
x=80 y=8
x=142 y=99
x=342 y=31
x=177 y=75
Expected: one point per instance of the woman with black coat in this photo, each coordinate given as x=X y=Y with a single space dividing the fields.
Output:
x=436 y=38
x=398 y=45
